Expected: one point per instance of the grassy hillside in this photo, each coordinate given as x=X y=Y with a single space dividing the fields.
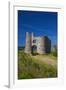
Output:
x=29 y=67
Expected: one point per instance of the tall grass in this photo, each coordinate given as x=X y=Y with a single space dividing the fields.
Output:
x=29 y=68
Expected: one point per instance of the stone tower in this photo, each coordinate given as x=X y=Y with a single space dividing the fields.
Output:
x=40 y=44
x=43 y=45
x=32 y=38
x=28 y=43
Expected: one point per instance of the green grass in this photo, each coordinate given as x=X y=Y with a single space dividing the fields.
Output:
x=29 y=68
x=50 y=56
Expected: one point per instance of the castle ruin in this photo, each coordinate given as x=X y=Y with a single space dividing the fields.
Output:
x=40 y=44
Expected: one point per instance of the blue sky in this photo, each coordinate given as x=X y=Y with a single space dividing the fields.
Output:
x=41 y=23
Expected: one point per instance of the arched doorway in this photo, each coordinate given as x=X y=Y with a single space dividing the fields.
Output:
x=34 y=49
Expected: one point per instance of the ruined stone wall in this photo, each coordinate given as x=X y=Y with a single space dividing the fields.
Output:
x=28 y=43
x=42 y=43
